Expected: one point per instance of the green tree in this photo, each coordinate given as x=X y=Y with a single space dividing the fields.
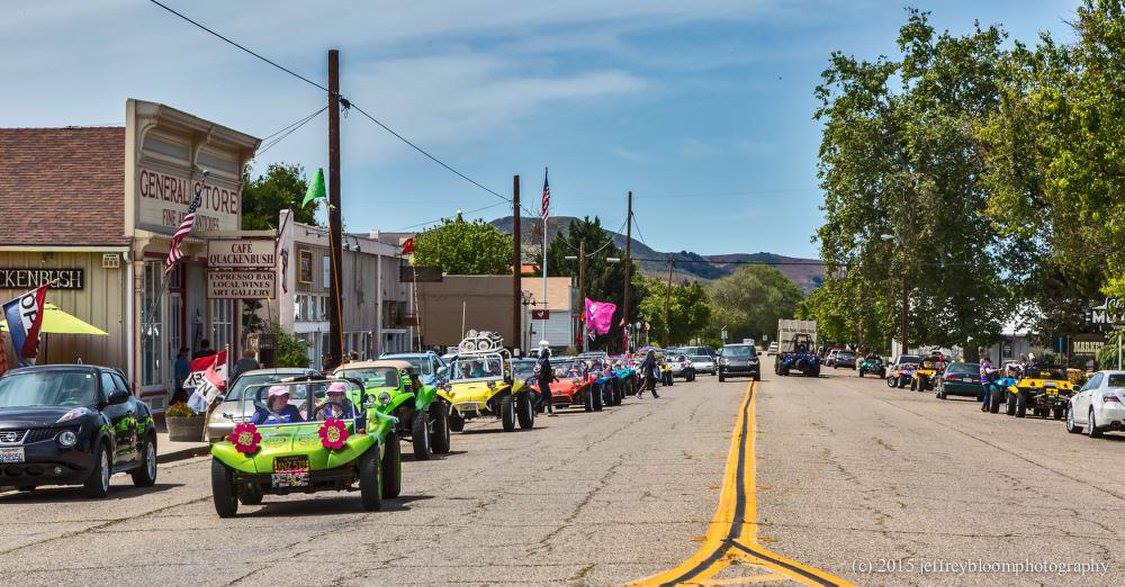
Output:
x=901 y=166
x=675 y=315
x=282 y=186
x=749 y=301
x=464 y=248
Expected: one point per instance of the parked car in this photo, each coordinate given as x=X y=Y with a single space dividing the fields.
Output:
x=873 y=364
x=702 y=364
x=960 y=379
x=229 y=411
x=843 y=358
x=698 y=350
x=772 y=349
x=1099 y=406
x=739 y=359
x=431 y=369
x=73 y=425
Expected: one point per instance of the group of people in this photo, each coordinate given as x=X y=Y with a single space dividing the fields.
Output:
x=278 y=410
x=545 y=376
x=996 y=380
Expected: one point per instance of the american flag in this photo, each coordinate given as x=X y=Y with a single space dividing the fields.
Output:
x=175 y=253
x=545 y=210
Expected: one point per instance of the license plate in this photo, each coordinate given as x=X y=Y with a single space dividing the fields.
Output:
x=290 y=471
x=11 y=455
x=966 y=379
x=1051 y=391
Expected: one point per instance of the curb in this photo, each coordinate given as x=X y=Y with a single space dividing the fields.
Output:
x=183 y=454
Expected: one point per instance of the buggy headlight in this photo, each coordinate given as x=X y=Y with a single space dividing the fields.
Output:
x=384 y=398
x=67 y=438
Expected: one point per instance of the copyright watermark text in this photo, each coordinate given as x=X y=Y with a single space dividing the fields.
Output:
x=974 y=566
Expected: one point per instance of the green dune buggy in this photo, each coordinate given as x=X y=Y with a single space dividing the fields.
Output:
x=394 y=387
x=299 y=438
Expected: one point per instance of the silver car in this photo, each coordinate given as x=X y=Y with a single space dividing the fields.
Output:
x=230 y=411
x=703 y=364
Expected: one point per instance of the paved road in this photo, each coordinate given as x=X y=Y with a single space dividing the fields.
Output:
x=583 y=498
x=852 y=473
x=849 y=473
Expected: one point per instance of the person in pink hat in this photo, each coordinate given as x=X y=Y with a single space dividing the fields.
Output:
x=278 y=410
x=337 y=404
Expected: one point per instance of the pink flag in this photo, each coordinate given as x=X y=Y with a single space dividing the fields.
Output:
x=599 y=316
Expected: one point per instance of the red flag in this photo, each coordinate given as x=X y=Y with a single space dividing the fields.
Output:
x=408 y=246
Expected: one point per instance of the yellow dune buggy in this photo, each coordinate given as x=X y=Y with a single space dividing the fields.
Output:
x=481 y=383
x=1046 y=389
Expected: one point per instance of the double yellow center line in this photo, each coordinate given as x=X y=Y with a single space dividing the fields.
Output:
x=732 y=534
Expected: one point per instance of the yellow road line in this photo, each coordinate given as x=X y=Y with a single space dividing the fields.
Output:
x=732 y=534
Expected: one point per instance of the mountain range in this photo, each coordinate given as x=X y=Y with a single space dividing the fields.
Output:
x=807 y=273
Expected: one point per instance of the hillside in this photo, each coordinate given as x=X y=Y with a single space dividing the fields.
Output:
x=807 y=273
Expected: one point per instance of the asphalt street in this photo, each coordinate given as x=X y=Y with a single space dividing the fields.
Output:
x=851 y=478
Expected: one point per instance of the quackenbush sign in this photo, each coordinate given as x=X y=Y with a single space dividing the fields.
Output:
x=26 y=278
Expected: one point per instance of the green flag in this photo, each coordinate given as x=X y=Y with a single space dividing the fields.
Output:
x=316 y=188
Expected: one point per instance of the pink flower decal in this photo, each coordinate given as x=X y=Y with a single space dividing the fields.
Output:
x=245 y=438
x=333 y=433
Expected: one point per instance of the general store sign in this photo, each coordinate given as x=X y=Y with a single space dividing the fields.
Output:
x=241 y=254
x=163 y=197
x=26 y=278
x=241 y=284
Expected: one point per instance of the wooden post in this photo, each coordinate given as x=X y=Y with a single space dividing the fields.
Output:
x=517 y=270
x=628 y=271
x=335 y=309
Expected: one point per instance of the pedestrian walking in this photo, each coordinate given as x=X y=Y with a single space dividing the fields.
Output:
x=651 y=371
x=545 y=374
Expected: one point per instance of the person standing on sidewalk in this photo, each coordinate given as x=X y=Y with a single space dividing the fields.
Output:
x=545 y=374
x=987 y=376
x=246 y=363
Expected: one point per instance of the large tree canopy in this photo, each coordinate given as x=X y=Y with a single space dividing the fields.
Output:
x=264 y=197
x=464 y=248
x=675 y=314
x=749 y=302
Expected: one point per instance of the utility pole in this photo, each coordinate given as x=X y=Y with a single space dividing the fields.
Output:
x=628 y=271
x=582 y=292
x=335 y=310
x=517 y=268
x=668 y=303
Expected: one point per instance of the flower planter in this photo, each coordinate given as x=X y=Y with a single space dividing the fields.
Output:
x=185 y=429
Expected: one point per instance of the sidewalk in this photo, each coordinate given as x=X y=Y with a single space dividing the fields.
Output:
x=170 y=452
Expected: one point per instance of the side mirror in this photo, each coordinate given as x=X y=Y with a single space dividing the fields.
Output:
x=220 y=398
x=118 y=396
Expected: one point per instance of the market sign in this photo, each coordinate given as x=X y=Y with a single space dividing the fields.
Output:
x=1110 y=313
x=26 y=278
x=241 y=284
x=241 y=254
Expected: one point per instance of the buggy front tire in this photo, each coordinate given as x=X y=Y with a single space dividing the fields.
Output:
x=222 y=490
x=371 y=480
x=440 y=437
x=508 y=412
x=1010 y=409
x=456 y=420
x=525 y=411
x=420 y=436
x=1021 y=405
x=598 y=398
x=391 y=468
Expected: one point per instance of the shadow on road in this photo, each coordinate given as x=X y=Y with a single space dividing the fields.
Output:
x=408 y=457
x=71 y=494
x=343 y=503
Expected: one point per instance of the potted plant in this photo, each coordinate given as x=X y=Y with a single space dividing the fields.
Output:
x=184 y=425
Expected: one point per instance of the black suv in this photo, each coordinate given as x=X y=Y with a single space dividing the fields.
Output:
x=739 y=359
x=73 y=425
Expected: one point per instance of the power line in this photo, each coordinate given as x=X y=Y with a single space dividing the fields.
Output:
x=284 y=133
x=731 y=262
x=343 y=101
x=436 y=220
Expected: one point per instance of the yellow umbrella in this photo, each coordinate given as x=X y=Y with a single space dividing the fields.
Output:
x=56 y=321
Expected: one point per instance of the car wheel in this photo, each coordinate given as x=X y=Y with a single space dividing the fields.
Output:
x=525 y=411
x=995 y=399
x=508 y=412
x=597 y=399
x=456 y=421
x=97 y=484
x=756 y=376
x=588 y=401
x=891 y=382
x=440 y=436
x=371 y=479
x=145 y=474
x=1010 y=407
x=1021 y=405
x=1072 y=426
x=861 y=373
x=1092 y=425
x=420 y=436
x=721 y=377
x=222 y=489
x=1059 y=412
x=391 y=474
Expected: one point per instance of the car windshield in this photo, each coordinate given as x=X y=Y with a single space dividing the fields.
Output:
x=298 y=402
x=524 y=368
x=911 y=359
x=372 y=376
x=479 y=367
x=421 y=364
x=48 y=389
x=966 y=368
x=845 y=355
x=242 y=382
x=739 y=351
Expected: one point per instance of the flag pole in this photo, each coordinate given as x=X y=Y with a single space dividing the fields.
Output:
x=545 y=307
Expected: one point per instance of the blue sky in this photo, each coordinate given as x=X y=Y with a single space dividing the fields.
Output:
x=702 y=108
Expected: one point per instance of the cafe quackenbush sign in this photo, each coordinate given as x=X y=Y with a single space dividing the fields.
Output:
x=26 y=278
x=241 y=254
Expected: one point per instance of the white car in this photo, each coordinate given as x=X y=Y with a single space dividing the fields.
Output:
x=772 y=349
x=1099 y=406
x=703 y=364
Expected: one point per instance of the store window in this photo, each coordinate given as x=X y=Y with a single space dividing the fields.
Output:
x=151 y=327
x=175 y=311
x=325 y=271
x=222 y=323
